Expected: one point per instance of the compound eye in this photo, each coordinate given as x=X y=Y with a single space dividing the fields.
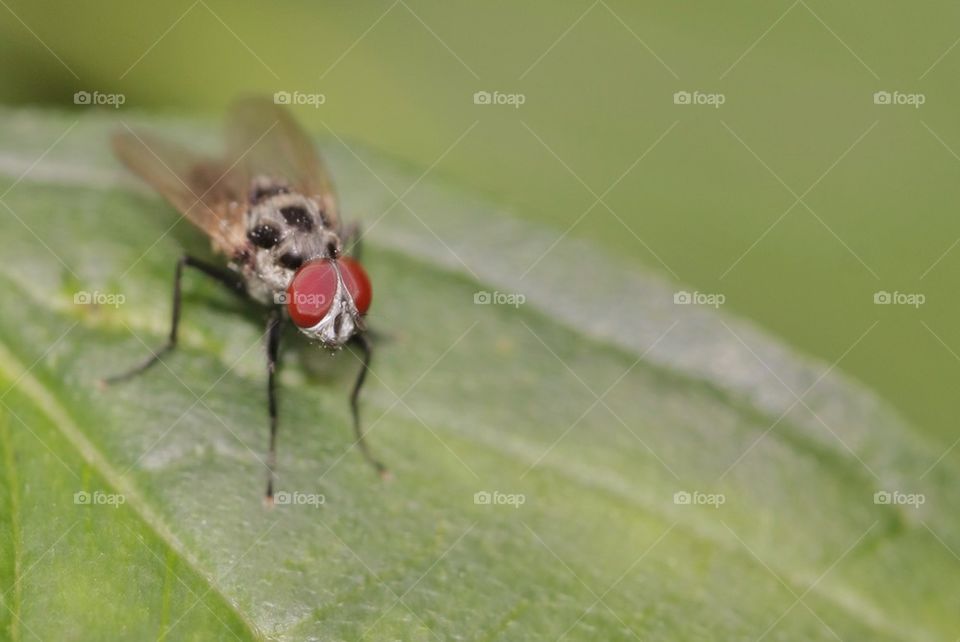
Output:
x=357 y=282
x=311 y=293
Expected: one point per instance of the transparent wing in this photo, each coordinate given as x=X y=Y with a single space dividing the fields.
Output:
x=208 y=193
x=266 y=142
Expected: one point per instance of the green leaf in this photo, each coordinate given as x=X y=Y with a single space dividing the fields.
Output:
x=586 y=408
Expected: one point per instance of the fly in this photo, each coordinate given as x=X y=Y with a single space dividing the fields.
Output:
x=269 y=208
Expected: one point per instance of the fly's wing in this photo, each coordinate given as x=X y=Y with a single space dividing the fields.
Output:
x=207 y=192
x=267 y=143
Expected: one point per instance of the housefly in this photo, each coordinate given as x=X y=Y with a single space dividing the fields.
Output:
x=269 y=208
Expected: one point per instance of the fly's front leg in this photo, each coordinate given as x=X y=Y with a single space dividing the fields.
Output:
x=366 y=348
x=274 y=331
x=228 y=278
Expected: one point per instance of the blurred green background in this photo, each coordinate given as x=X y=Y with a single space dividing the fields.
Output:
x=706 y=193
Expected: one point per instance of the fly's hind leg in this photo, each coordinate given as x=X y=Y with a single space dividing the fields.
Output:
x=224 y=276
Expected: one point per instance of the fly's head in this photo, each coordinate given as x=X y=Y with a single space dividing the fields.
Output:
x=328 y=298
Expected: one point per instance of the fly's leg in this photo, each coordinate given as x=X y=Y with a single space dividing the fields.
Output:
x=353 y=244
x=228 y=278
x=274 y=331
x=363 y=343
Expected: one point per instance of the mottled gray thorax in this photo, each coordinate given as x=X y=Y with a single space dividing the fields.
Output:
x=285 y=230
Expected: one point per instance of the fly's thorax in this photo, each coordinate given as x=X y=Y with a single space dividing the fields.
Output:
x=285 y=229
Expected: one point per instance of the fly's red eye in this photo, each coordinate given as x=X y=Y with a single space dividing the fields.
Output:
x=314 y=286
x=357 y=282
x=311 y=293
